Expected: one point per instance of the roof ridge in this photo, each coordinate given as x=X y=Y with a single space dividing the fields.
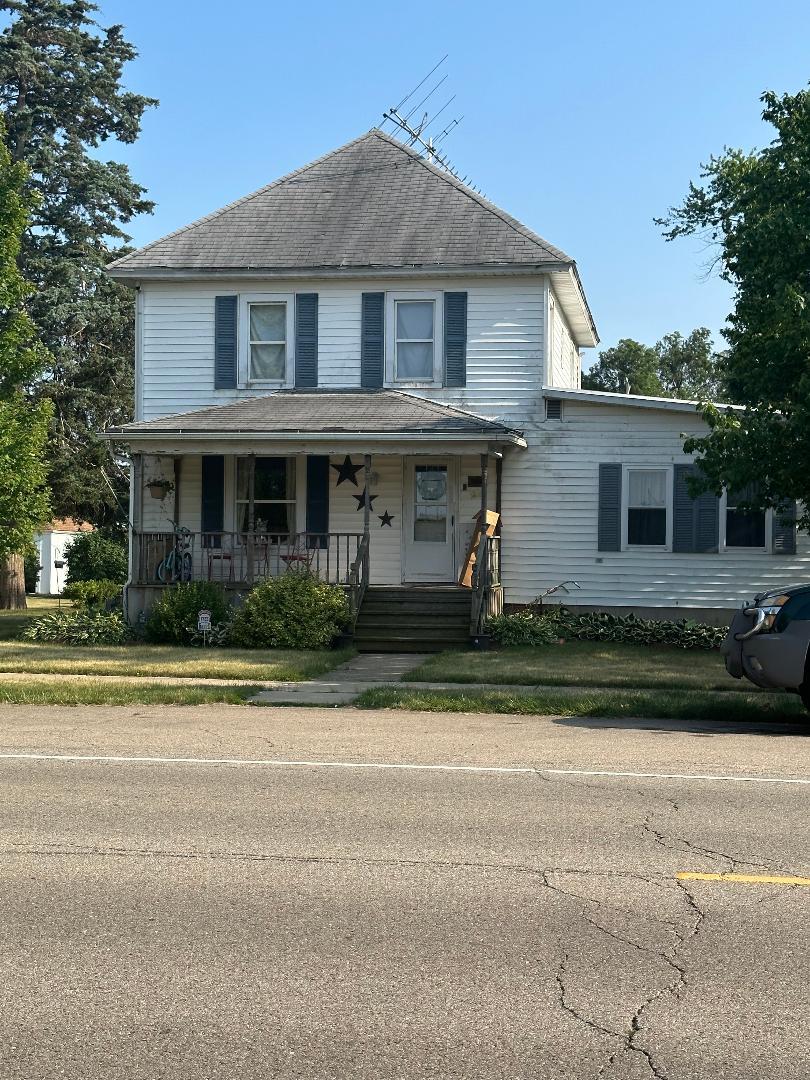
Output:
x=241 y=200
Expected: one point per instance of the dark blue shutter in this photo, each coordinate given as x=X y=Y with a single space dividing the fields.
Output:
x=696 y=522
x=610 y=508
x=455 y=339
x=784 y=529
x=317 y=500
x=306 y=340
x=372 y=340
x=212 y=516
x=225 y=316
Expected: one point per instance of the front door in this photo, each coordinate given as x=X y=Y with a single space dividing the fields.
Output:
x=429 y=520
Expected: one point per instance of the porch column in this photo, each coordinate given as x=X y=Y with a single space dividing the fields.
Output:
x=484 y=479
x=137 y=517
x=367 y=495
x=177 y=463
x=498 y=490
x=251 y=524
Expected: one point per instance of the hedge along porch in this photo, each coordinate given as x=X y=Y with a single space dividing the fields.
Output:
x=257 y=504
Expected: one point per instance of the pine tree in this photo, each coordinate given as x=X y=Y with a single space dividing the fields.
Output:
x=23 y=424
x=60 y=89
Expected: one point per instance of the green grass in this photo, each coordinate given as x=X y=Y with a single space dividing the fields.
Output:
x=61 y=692
x=12 y=623
x=286 y=665
x=584 y=663
x=672 y=705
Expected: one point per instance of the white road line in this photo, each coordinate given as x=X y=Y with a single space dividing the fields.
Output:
x=402 y=766
x=272 y=762
x=677 y=776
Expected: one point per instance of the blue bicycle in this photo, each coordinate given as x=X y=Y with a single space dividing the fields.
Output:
x=179 y=563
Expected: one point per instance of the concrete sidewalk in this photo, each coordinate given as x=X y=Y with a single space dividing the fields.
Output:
x=345 y=683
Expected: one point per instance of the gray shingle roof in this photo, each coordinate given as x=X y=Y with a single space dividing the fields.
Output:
x=373 y=203
x=320 y=412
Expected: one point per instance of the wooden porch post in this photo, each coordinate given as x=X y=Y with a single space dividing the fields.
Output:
x=251 y=515
x=177 y=463
x=137 y=516
x=498 y=490
x=367 y=496
x=484 y=479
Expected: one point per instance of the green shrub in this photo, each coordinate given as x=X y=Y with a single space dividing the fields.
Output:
x=294 y=611
x=92 y=557
x=523 y=628
x=92 y=594
x=72 y=627
x=173 y=619
x=542 y=627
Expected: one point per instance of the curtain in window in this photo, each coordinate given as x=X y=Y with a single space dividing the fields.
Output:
x=647 y=488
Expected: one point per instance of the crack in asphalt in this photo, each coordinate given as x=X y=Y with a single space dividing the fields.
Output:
x=674 y=988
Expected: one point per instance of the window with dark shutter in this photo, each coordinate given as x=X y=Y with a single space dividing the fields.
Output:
x=306 y=340
x=317 y=501
x=610 y=507
x=225 y=322
x=696 y=522
x=455 y=339
x=372 y=340
x=212 y=511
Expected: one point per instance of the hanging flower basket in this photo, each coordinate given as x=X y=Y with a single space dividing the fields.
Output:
x=159 y=488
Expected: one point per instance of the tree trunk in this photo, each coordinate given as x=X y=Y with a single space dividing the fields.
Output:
x=12 y=584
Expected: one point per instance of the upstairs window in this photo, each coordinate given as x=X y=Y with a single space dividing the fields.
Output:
x=647 y=521
x=267 y=325
x=744 y=528
x=414 y=345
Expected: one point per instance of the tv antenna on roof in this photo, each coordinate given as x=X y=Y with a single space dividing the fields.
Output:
x=415 y=131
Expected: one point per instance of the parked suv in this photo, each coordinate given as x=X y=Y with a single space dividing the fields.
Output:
x=769 y=641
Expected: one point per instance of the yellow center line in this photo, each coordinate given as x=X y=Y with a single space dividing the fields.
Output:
x=750 y=879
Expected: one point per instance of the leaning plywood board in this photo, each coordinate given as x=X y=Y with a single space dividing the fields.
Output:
x=485 y=524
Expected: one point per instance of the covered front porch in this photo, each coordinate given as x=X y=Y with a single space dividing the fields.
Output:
x=392 y=508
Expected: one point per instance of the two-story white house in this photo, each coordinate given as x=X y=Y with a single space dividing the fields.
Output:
x=341 y=370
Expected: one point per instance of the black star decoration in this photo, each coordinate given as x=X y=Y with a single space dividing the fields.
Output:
x=386 y=519
x=361 y=500
x=347 y=471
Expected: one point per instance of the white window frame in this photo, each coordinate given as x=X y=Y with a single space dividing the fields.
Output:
x=670 y=483
x=734 y=550
x=237 y=502
x=391 y=300
x=245 y=300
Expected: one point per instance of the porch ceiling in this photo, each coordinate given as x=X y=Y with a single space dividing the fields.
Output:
x=378 y=416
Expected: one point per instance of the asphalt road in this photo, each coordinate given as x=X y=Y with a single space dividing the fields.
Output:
x=209 y=918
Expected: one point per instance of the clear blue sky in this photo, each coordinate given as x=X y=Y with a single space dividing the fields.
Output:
x=585 y=120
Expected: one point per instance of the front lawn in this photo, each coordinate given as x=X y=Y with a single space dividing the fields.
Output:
x=108 y=692
x=583 y=663
x=668 y=705
x=12 y=623
x=285 y=665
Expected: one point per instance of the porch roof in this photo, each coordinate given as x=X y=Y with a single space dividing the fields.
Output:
x=314 y=414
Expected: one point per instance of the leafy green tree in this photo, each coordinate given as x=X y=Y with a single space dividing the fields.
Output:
x=60 y=88
x=688 y=367
x=23 y=425
x=755 y=207
x=628 y=367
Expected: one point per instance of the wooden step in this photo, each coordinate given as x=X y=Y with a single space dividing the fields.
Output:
x=421 y=618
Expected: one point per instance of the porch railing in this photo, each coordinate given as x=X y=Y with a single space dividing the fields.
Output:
x=358 y=579
x=487 y=590
x=244 y=558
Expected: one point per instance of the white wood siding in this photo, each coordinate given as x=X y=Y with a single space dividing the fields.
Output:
x=505 y=346
x=564 y=368
x=550 y=519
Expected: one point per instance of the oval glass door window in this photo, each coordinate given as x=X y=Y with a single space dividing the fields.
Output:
x=430 y=506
